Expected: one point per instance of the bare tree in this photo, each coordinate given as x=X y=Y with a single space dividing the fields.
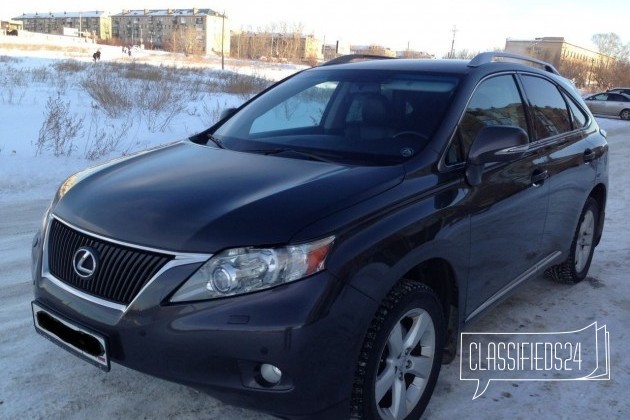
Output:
x=604 y=74
x=622 y=74
x=615 y=72
x=185 y=40
x=576 y=71
x=611 y=44
x=375 y=50
x=276 y=42
x=463 y=54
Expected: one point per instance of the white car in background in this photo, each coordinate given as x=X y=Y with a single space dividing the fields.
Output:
x=610 y=104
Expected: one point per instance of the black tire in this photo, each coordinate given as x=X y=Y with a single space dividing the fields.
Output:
x=625 y=114
x=411 y=312
x=575 y=268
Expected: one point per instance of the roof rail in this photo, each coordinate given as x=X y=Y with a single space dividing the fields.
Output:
x=489 y=57
x=355 y=57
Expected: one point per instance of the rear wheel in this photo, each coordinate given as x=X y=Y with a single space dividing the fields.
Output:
x=401 y=355
x=576 y=266
x=625 y=114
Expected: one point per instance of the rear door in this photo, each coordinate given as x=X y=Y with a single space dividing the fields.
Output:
x=563 y=131
x=616 y=103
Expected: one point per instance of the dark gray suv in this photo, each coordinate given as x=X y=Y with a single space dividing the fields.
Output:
x=316 y=252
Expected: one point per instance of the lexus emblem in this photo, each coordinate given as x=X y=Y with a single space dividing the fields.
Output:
x=85 y=262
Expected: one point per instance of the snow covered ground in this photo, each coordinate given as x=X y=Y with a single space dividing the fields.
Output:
x=38 y=380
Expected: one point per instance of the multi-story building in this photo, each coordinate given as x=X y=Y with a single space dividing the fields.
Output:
x=10 y=27
x=335 y=50
x=577 y=63
x=413 y=54
x=372 y=50
x=96 y=24
x=182 y=30
x=289 y=46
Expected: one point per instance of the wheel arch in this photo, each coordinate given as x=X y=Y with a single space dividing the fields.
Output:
x=599 y=193
x=439 y=275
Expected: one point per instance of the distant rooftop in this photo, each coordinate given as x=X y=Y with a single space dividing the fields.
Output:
x=168 y=12
x=48 y=15
x=139 y=12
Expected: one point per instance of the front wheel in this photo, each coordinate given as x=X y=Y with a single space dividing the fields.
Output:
x=625 y=114
x=401 y=356
x=576 y=266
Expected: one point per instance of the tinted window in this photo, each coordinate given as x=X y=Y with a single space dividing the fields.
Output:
x=496 y=101
x=617 y=98
x=549 y=110
x=578 y=116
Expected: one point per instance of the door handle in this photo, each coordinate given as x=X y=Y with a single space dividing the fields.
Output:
x=589 y=155
x=539 y=177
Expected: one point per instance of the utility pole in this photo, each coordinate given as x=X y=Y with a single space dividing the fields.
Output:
x=454 y=30
x=222 y=40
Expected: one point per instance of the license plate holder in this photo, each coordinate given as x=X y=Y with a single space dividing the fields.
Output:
x=78 y=340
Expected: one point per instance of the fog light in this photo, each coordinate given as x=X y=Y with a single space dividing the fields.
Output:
x=270 y=374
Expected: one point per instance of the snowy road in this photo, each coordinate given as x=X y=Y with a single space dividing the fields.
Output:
x=38 y=380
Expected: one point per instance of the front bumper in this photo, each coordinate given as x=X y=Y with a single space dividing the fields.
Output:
x=311 y=330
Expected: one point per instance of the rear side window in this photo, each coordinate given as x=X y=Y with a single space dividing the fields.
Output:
x=549 y=109
x=578 y=116
x=496 y=101
x=617 y=98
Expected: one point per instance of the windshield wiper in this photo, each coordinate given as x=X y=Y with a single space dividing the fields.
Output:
x=216 y=141
x=310 y=155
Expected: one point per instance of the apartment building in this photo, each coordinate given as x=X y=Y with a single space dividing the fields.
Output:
x=91 y=24
x=191 y=31
x=194 y=31
x=10 y=27
x=289 y=46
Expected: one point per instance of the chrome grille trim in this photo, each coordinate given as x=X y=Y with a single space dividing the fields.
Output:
x=169 y=260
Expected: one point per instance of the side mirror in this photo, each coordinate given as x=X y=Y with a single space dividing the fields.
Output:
x=227 y=112
x=495 y=143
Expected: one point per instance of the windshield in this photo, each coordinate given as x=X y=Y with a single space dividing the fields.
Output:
x=369 y=116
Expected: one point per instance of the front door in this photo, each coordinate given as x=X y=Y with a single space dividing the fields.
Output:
x=509 y=207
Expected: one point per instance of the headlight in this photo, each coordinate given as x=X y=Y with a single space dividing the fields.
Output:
x=61 y=191
x=243 y=270
x=79 y=176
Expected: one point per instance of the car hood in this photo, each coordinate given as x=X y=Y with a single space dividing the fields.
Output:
x=192 y=198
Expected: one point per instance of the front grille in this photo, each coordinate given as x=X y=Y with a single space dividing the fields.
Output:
x=121 y=272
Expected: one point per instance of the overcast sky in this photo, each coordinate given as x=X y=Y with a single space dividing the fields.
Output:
x=421 y=24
